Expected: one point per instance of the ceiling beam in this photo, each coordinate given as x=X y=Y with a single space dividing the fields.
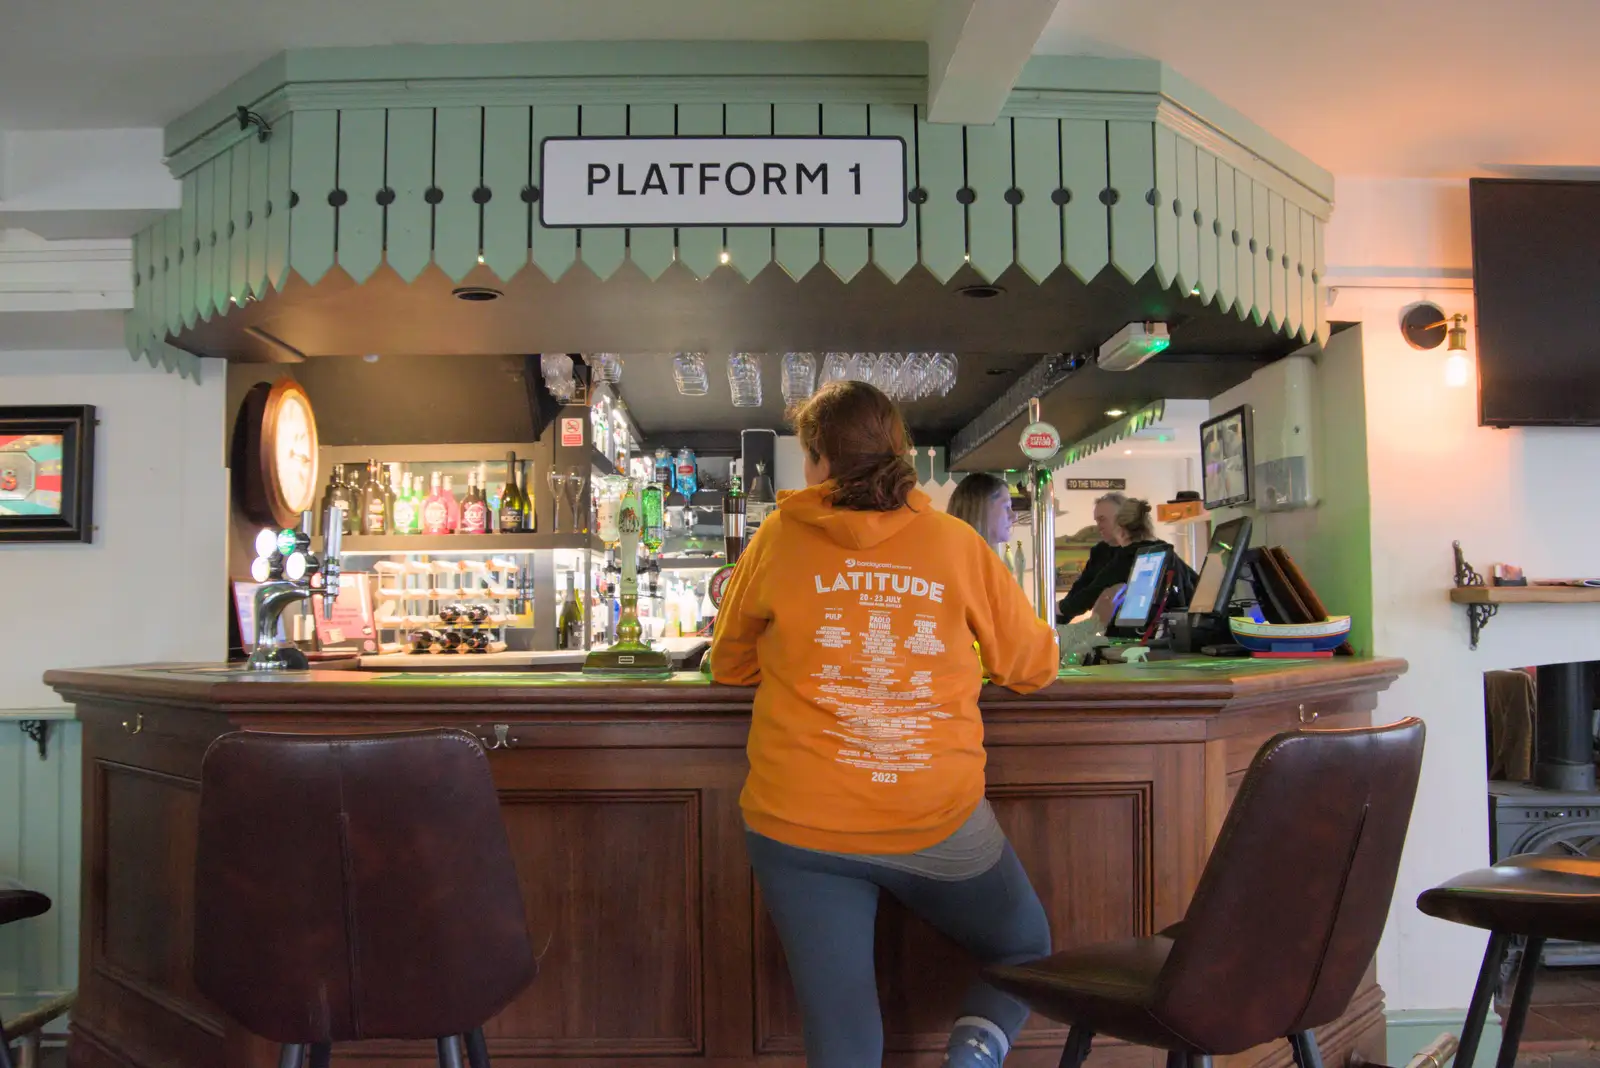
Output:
x=975 y=54
x=84 y=184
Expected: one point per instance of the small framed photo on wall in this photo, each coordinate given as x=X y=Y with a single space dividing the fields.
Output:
x=46 y=473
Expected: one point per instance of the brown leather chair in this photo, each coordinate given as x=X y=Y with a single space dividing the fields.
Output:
x=357 y=887
x=17 y=903
x=1533 y=896
x=1283 y=925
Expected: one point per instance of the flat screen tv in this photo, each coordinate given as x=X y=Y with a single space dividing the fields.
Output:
x=1536 y=275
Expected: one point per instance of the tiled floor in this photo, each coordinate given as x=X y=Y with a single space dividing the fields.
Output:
x=1563 y=1028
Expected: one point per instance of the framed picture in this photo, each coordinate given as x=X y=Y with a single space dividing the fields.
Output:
x=46 y=473
x=1225 y=458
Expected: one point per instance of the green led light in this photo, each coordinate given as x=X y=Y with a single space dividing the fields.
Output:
x=286 y=542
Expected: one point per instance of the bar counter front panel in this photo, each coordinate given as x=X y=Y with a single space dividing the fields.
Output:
x=621 y=801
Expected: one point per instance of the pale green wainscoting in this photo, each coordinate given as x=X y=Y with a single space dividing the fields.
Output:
x=430 y=157
x=1409 y=1030
x=39 y=845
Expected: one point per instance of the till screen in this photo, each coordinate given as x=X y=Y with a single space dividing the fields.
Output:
x=1142 y=589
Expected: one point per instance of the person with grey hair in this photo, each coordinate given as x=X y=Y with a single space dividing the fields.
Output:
x=1078 y=599
x=1132 y=531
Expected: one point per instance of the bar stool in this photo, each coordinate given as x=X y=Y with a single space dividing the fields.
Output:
x=1535 y=896
x=17 y=903
x=1283 y=925
x=357 y=887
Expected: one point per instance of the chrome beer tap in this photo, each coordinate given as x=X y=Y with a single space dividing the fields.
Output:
x=287 y=569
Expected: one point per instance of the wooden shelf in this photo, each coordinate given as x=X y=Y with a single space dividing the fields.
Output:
x=1525 y=595
x=467 y=543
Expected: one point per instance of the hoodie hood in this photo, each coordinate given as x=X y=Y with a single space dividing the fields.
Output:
x=846 y=526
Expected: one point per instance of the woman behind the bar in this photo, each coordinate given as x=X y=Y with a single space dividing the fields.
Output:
x=983 y=502
x=855 y=606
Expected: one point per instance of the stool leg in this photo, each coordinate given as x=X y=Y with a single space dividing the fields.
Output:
x=321 y=1054
x=449 y=1052
x=1482 y=998
x=1079 y=1039
x=1520 y=1000
x=292 y=1057
x=477 y=1049
x=29 y=1047
x=1307 y=1054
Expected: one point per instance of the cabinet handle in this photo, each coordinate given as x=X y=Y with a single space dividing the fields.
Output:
x=502 y=740
x=135 y=725
x=1312 y=718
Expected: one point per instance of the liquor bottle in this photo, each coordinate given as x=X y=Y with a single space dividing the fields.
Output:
x=475 y=508
x=339 y=496
x=654 y=532
x=435 y=513
x=569 y=627
x=417 y=498
x=374 y=505
x=664 y=468
x=512 y=501
x=688 y=473
x=405 y=507
x=452 y=507
x=734 y=504
x=761 y=501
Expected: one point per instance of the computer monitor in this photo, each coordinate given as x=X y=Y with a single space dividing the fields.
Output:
x=1213 y=590
x=1143 y=595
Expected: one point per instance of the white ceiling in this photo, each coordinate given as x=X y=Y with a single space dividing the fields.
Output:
x=1425 y=88
x=104 y=63
x=1376 y=87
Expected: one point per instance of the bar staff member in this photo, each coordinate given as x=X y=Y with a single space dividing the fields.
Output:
x=1078 y=598
x=854 y=611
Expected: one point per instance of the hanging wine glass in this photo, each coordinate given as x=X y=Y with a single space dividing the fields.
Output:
x=886 y=375
x=689 y=372
x=799 y=376
x=835 y=367
x=744 y=379
x=946 y=364
x=607 y=366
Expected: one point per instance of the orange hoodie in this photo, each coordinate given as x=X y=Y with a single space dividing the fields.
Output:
x=859 y=629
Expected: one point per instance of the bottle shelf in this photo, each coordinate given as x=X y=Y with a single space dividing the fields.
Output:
x=382 y=544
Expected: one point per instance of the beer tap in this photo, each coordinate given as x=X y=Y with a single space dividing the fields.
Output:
x=288 y=571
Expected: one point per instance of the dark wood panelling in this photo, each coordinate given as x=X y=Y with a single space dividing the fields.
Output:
x=616 y=857
x=622 y=805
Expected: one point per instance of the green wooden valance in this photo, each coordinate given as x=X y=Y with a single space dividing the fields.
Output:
x=1096 y=164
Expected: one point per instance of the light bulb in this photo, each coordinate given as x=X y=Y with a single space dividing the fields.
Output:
x=725 y=257
x=1457 y=370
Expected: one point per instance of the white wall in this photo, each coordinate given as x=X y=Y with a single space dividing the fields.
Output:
x=151 y=586
x=1516 y=496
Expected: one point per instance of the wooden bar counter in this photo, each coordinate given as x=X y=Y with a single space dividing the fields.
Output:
x=621 y=800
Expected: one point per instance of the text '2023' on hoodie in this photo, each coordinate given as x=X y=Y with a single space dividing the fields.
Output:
x=858 y=628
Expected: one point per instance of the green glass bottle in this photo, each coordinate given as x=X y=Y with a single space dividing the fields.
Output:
x=654 y=533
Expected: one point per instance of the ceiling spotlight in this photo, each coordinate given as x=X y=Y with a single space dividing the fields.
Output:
x=475 y=293
x=980 y=292
x=371 y=357
x=480 y=257
x=725 y=257
x=1133 y=345
x=1115 y=413
x=1127 y=452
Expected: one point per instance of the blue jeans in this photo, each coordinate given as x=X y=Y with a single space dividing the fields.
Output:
x=825 y=909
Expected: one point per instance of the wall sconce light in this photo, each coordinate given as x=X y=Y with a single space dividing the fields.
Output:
x=1425 y=326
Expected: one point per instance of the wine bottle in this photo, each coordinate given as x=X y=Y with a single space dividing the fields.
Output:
x=512 y=503
x=452 y=506
x=435 y=513
x=405 y=507
x=474 y=509
x=569 y=627
x=374 y=505
x=391 y=487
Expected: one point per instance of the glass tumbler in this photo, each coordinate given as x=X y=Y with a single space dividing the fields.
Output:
x=689 y=372
x=744 y=379
x=799 y=376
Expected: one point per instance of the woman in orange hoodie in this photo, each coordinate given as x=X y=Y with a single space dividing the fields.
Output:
x=854 y=611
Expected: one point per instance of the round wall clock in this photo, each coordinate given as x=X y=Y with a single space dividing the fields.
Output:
x=278 y=432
